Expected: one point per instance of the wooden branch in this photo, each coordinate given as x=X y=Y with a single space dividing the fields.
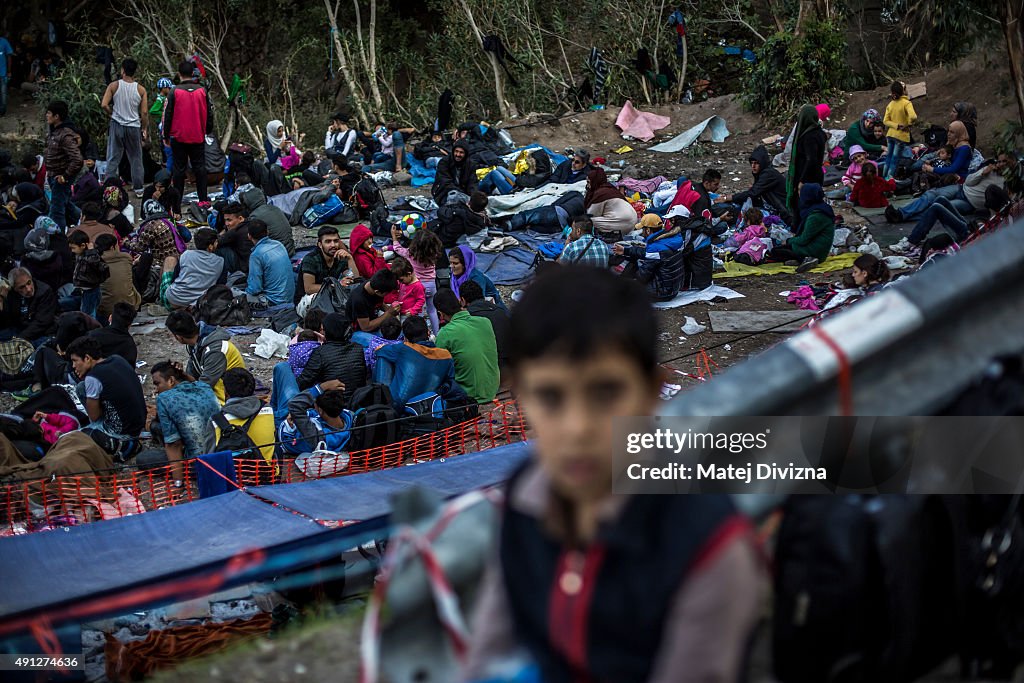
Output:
x=357 y=96
x=499 y=80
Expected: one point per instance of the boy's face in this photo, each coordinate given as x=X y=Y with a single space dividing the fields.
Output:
x=860 y=158
x=78 y=249
x=943 y=154
x=570 y=405
x=368 y=244
x=165 y=91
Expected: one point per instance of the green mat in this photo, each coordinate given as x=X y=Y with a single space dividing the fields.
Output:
x=867 y=213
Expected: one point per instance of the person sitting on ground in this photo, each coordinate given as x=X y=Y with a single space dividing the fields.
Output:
x=92 y=223
x=935 y=249
x=870 y=273
x=470 y=340
x=116 y=338
x=329 y=260
x=243 y=404
x=186 y=280
x=290 y=157
x=454 y=172
x=415 y=366
x=458 y=219
x=606 y=206
x=349 y=175
x=315 y=416
x=431 y=150
x=572 y=170
x=91 y=271
x=858 y=162
x=391 y=156
x=340 y=139
x=119 y=286
x=498 y=181
x=538 y=170
x=473 y=301
x=112 y=214
x=962 y=153
x=582 y=247
x=86 y=187
x=114 y=400
x=390 y=332
x=462 y=262
x=271 y=281
x=278 y=227
x=164 y=192
x=922 y=180
x=768 y=192
x=659 y=263
x=710 y=182
x=423 y=253
x=28 y=308
x=156 y=235
x=870 y=189
x=233 y=243
x=43 y=256
x=337 y=358
x=967 y=198
x=750 y=250
x=814 y=234
x=274 y=140
x=1012 y=163
x=861 y=134
x=367 y=298
x=36 y=167
x=185 y=409
x=574 y=376
x=411 y=295
x=299 y=352
x=210 y=351
x=368 y=260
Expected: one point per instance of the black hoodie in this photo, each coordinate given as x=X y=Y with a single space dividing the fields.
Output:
x=337 y=358
x=453 y=175
x=769 y=188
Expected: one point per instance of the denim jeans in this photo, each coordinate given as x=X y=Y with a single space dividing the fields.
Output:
x=62 y=211
x=169 y=159
x=284 y=389
x=90 y=301
x=954 y=193
x=430 y=289
x=500 y=178
x=941 y=211
x=381 y=162
x=362 y=338
x=893 y=154
x=125 y=140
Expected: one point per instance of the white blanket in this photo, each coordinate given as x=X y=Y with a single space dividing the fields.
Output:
x=712 y=128
x=507 y=205
x=685 y=298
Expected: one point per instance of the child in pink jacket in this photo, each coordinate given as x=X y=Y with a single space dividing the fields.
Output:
x=54 y=425
x=411 y=294
x=755 y=229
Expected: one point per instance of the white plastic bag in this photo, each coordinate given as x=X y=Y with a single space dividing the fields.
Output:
x=322 y=462
x=692 y=327
x=271 y=344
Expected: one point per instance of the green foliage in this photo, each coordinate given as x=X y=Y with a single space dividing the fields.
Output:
x=1010 y=136
x=794 y=70
x=80 y=84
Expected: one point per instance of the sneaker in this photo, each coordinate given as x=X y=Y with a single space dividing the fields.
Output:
x=138 y=193
x=792 y=263
x=893 y=215
x=901 y=247
x=807 y=264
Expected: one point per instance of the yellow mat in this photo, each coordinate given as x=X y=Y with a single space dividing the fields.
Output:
x=733 y=269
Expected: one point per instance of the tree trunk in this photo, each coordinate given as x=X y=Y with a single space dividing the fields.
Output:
x=369 y=56
x=357 y=95
x=864 y=21
x=1012 y=14
x=808 y=12
x=682 y=75
x=499 y=77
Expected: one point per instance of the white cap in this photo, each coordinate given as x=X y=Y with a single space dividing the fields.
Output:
x=678 y=210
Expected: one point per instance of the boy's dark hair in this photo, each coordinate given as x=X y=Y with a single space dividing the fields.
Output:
x=204 y=237
x=307 y=336
x=182 y=324
x=391 y=329
x=471 y=291
x=585 y=223
x=948 y=149
x=92 y=210
x=384 y=281
x=242 y=178
x=29 y=160
x=477 y=201
x=257 y=229
x=331 y=402
x=339 y=161
x=753 y=216
x=58 y=108
x=238 y=383
x=415 y=329
x=937 y=243
x=326 y=230
x=314 y=319
x=996 y=198
x=308 y=158
x=609 y=311
x=85 y=346
x=236 y=209
x=896 y=89
x=446 y=302
x=166 y=368
x=104 y=242
x=129 y=66
x=186 y=68
x=711 y=174
x=78 y=238
x=400 y=266
x=123 y=314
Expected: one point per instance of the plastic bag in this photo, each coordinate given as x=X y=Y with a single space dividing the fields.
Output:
x=270 y=344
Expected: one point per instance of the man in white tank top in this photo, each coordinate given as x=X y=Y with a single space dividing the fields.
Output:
x=125 y=103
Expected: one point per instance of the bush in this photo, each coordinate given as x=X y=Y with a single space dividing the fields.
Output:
x=791 y=71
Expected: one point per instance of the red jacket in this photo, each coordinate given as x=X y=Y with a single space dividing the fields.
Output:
x=870 y=194
x=188 y=118
x=367 y=260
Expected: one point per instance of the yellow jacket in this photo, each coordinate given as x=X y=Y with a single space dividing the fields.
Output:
x=899 y=113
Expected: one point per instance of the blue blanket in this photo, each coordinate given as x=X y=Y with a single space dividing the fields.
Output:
x=513 y=266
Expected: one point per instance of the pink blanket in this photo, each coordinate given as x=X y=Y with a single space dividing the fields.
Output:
x=638 y=124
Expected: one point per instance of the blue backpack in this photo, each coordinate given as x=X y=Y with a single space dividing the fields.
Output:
x=319 y=213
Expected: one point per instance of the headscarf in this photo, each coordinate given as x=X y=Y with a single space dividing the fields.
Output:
x=272 y=136
x=600 y=189
x=112 y=197
x=867 y=122
x=806 y=121
x=966 y=112
x=957 y=134
x=469 y=261
x=47 y=224
x=37 y=244
x=812 y=200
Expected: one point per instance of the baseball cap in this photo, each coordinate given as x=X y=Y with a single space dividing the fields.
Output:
x=649 y=220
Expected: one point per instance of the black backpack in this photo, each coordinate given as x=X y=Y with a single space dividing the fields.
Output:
x=235 y=438
x=374 y=420
x=221 y=307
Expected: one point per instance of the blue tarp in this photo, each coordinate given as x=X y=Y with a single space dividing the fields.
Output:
x=513 y=266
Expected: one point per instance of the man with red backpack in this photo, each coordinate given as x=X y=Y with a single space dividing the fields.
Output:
x=188 y=119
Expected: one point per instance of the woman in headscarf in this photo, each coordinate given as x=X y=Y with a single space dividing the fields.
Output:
x=112 y=215
x=814 y=233
x=606 y=205
x=957 y=136
x=809 y=146
x=861 y=132
x=462 y=262
x=967 y=114
x=272 y=143
x=45 y=264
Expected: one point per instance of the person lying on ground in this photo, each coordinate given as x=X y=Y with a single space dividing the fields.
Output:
x=462 y=261
x=186 y=280
x=470 y=340
x=113 y=398
x=28 y=308
x=210 y=351
x=366 y=301
x=271 y=281
x=814 y=233
x=185 y=409
x=561 y=521
x=572 y=170
x=329 y=260
x=337 y=358
x=414 y=366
